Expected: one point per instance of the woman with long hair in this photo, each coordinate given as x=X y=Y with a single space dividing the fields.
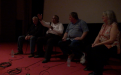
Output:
x=107 y=39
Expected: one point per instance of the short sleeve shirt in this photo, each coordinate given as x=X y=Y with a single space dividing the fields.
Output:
x=77 y=29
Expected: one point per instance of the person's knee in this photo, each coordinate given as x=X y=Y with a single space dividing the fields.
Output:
x=21 y=37
x=60 y=43
x=40 y=40
x=33 y=38
x=51 y=41
x=74 y=43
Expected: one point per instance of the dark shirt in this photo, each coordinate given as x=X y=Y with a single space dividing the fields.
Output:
x=36 y=30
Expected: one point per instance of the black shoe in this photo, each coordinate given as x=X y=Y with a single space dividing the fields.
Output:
x=45 y=61
x=94 y=73
x=88 y=69
x=18 y=53
x=31 y=55
x=37 y=56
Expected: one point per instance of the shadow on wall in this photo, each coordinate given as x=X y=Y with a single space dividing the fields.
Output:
x=18 y=29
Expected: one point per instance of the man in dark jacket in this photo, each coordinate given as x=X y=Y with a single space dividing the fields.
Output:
x=36 y=30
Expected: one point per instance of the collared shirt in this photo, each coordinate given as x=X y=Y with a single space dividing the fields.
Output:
x=57 y=28
x=77 y=29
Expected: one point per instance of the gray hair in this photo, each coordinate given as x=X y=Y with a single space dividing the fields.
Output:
x=56 y=16
x=35 y=18
x=111 y=16
x=74 y=15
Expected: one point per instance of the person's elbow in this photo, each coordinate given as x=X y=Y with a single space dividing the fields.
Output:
x=111 y=41
x=85 y=33
x=60 y=31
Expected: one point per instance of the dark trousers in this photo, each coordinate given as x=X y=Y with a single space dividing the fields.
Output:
x=50 y=40
x=97 y=57
x=72 y=47
x=21 y=40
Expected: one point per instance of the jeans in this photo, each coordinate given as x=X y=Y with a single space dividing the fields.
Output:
x=21 y=40
x=69 y=47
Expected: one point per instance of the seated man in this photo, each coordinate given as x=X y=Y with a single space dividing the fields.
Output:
x=53 y=35
x=34 y=32
x=74 y=36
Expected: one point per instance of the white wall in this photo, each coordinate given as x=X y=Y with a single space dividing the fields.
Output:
x=88 y=10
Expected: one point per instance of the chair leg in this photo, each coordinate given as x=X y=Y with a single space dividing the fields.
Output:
x=26 y=47
x=55 y=52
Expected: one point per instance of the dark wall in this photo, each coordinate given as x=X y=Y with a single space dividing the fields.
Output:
x=37 y=7
x=18 y=26
x=16 y=17
x=8 y=17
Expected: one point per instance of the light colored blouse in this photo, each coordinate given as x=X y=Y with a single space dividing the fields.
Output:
x=105 y=35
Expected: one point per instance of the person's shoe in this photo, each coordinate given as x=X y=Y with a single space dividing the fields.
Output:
x=31 y=55
x=17 y=53
x=88 y=69
x=82 y=59
x=94 y=73
x=37 y=56
x=45 y=61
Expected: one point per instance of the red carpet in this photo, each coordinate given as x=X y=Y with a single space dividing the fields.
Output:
x=56 y=66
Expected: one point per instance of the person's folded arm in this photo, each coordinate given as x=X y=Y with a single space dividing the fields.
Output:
x=82 y=37
x=113 y=34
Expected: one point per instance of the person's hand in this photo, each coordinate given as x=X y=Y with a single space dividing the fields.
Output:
x=77 y=38
x=29 y=37
x=93 y=45
x=63 y=39
x=26 y=38
x=39 y=16
x=51 y=27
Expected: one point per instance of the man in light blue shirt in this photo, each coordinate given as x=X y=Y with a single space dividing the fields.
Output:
x=75 y=33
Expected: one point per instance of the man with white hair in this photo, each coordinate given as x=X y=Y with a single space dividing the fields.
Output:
x=34 y=32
